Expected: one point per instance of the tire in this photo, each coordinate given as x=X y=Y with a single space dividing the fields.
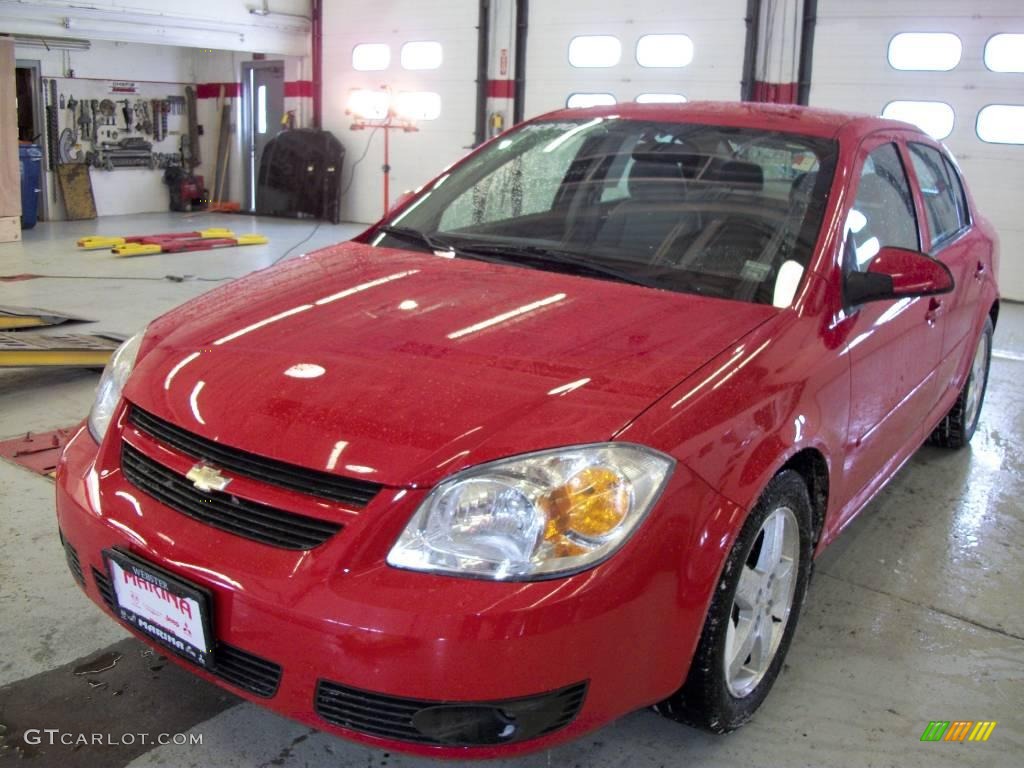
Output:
x=958 y=426
x=711 y=697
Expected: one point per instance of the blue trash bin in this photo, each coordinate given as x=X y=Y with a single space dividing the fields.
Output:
x=31 y=173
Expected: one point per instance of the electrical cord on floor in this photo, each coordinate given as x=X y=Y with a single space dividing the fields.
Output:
x=344 y=191
x=306 y=239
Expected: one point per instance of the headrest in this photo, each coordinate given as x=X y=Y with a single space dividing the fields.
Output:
x=742 y=175
x=660 y=179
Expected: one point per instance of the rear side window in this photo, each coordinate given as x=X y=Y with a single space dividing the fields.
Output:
x=883 y=211
x=942 y=191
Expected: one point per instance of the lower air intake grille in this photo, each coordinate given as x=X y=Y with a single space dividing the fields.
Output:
x=105 y=588
x=448 y=723
x=246 y=671
x=232 y=665
x=73 y=564
x=222 y=510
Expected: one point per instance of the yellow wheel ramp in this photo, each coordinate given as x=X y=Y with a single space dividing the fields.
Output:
x=21 y=350
x=15 y=318
x=99 y=242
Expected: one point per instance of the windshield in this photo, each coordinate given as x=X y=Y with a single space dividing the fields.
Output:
x=684 y=207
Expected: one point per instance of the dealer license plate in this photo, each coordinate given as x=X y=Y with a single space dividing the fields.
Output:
x=168 y=609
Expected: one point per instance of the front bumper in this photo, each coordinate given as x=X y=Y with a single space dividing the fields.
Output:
x=320 y=634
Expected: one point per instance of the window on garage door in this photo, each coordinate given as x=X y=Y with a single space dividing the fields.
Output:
x=883 y=211
x=944 y=200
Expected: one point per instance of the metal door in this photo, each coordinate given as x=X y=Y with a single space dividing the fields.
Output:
x=262 y=111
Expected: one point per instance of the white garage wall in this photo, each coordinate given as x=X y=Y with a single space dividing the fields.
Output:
x=158 y=70
x=218 y=24
x=717 y=29
x=415 y=157
x=851 y=71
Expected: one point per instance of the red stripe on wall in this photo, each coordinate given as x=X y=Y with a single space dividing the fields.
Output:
x=775 y=93
x=501 y=89
x=299 y=89
x=212 y=90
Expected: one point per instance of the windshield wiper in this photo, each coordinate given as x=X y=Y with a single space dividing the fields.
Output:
x=497 y=253
x=513 y=254
x=415 y=236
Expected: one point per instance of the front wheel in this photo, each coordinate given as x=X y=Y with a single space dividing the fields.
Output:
x=958 y=426
x=753 y=614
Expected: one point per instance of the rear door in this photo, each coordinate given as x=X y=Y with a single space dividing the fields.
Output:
x=893 y=346
x=948 y=237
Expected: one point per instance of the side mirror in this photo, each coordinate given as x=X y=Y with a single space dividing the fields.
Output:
x=897 y=273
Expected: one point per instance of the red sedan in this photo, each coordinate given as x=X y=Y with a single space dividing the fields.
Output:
x=557 y=439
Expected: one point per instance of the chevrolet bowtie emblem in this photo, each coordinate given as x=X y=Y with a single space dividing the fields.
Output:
x=207 y=478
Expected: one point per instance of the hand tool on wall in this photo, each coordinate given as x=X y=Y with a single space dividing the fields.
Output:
x=155 y=107
x=94 y=110
x=52 y=120
x=66 y=145
x=195 y=156
x=126 y=113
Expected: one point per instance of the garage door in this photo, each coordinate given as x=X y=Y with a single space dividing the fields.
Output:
x=943 y=65
x=585 y=53
x=425 y=53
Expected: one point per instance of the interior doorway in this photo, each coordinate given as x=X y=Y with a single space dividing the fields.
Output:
x=262 y=111
x=32 y=117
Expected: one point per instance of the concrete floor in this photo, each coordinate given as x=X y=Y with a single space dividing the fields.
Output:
x=914 y=614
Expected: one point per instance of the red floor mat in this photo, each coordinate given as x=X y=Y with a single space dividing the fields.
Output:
x=38 y=451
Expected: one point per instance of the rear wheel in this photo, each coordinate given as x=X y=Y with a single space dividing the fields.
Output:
x=753 y=615
x=958 y=426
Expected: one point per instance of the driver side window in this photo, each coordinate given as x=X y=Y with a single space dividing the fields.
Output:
x=883 y=211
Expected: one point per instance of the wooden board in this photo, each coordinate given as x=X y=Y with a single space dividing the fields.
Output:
x=10 y=174
x=76 y=191
x=10 y=229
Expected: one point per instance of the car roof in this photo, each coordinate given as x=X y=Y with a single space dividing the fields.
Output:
x=787 y=118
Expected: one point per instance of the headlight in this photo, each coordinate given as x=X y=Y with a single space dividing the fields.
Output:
x=108 y=393
x=534 y=516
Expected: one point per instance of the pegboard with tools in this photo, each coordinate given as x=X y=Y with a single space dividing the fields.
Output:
x=112 y=125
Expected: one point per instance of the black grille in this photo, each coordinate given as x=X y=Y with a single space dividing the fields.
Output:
x=357 y=493
x=391 y=717
x=222 y=510
x=246 y=671
x=233 y=665
x=105 y=588
x=73 y=564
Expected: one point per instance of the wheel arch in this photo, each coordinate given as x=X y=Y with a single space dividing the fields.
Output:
x=811 y=464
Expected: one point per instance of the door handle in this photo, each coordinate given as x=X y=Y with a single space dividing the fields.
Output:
x=934 y=309
x=979 y=272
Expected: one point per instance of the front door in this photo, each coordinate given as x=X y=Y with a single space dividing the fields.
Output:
x=262 y=111
x=893 y=346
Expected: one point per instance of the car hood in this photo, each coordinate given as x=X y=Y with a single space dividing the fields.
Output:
x=402 y=367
